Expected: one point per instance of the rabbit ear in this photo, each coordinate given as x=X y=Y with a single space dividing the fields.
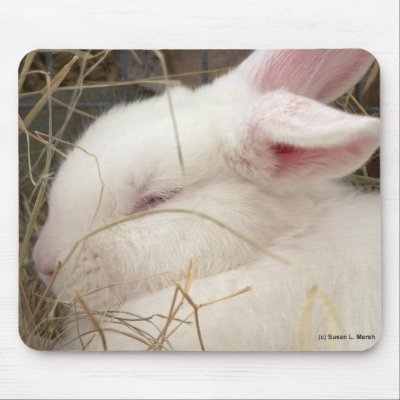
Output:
x=323 y=75
x=285 y=136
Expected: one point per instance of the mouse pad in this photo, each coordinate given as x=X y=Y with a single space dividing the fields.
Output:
x=199 y=200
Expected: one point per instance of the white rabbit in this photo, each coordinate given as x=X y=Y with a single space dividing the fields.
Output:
x=262 y=156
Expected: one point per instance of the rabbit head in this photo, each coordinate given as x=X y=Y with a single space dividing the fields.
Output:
x=259 y=151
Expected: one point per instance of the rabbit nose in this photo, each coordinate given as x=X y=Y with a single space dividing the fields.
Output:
x=43 y=258
x=46 y=270
x=45 y=265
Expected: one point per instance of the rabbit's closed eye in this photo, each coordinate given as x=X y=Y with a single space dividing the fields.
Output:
x=154 y=200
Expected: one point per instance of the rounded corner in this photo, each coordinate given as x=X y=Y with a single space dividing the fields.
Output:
x=375 y=60
x=29 y=346
x=25 y=55
x=372 y=345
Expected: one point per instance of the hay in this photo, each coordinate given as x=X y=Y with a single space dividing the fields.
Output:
x=43 y=320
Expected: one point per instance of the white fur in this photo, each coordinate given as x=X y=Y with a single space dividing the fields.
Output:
x=231 y=175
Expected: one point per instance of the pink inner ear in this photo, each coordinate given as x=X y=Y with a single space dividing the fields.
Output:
x=318 y=161
x=289 y=136
x=323 y=75
x=289 y=158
